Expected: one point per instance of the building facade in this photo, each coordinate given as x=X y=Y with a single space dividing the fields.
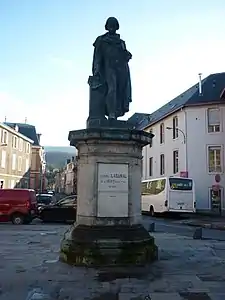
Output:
x=189 y=141
x=66 y=179
x=38 y=163
x=15 y=158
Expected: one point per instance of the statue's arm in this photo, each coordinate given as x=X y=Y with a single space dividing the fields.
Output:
x=128 y=54
x=97 y=58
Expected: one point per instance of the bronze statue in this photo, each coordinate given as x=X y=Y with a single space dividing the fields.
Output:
x=110 y=82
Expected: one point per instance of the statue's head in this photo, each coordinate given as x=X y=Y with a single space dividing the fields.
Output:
x=112 y=25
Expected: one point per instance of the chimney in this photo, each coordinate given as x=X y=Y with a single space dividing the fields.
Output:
x=200 y=84
x=39 y=137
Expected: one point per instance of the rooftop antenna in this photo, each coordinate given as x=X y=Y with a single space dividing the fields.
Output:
x=25 y=120
x=200 y=84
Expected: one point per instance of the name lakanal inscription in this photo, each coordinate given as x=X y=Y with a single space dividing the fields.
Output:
x=113 y=177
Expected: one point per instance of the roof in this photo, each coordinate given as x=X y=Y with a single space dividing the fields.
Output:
x=12 y=130
x=212 y=89
x=27 y=130
x=137 y=118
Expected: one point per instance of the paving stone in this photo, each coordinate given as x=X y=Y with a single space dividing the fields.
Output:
x=107 y=296
x=217 y=296
x=131 y=296
x=195 y=296
x=30 y=260
x=215 y=286
x=165 y=296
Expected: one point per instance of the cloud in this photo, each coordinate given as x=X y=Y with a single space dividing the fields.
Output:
x=61 y=62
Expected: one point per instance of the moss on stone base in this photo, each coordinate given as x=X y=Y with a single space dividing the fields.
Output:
x=139 y=252
x=93 y=246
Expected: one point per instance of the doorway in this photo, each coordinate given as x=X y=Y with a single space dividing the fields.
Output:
x=215 y=197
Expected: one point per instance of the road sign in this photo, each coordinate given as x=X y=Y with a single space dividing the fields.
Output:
x=217 y=178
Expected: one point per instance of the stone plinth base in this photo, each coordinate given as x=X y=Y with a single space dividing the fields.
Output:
x=107 y=230
x=96 y=246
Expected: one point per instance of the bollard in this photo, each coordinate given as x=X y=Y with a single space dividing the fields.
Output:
x=151 y=227
x=197 y=234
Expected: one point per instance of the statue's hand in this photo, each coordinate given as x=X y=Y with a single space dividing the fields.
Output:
x=129 y=55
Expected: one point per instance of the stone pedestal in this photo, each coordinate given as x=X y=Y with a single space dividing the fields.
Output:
x=108 y=229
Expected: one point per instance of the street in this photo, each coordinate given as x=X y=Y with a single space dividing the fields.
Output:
x=171 y=225
x=187 y=268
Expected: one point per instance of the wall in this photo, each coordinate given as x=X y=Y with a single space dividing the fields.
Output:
x=37 y=172
x=198 y=140
x=20 y=176
x=166 y=148
x=194 y=154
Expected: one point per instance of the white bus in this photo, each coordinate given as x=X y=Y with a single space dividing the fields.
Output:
x=168 y=194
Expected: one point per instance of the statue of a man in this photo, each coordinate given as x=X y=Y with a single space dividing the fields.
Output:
x=110 y=69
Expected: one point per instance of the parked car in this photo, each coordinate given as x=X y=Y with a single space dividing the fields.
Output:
x=64 y=210
x=18 y=206
x=51 y=192
x=45 y=199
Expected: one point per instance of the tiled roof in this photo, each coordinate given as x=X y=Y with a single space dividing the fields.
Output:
x=27 y=130
x=212 y=87
x=137 y=118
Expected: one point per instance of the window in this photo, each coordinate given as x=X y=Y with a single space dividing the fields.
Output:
x=3 y=161
x=68 y=202
x=214 y=159
x=45 y=199
x=4 y=137
x=180 y=184
x=20 y=145
x=20 y=163
x=14 y=161
x=151 y=131
x=28 y=148
x=162 y=164
x=162 y=133
x=175 y=161
x=14 y=142
x=153 y=187
x=1 y=184
x=175 y=127
x=213 y=116
x=150 y=166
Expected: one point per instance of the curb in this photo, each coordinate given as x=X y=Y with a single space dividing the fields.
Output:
x=206 y=225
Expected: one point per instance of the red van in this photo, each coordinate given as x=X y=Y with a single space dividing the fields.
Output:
x=18 y=206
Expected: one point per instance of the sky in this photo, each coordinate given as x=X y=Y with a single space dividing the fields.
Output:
x=47 y=48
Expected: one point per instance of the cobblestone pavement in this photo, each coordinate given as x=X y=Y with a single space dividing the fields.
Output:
x=29 y=270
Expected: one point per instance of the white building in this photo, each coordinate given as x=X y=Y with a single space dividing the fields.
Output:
x=189 y=140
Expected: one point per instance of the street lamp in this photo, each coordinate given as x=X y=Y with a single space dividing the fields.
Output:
x=178 y=129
